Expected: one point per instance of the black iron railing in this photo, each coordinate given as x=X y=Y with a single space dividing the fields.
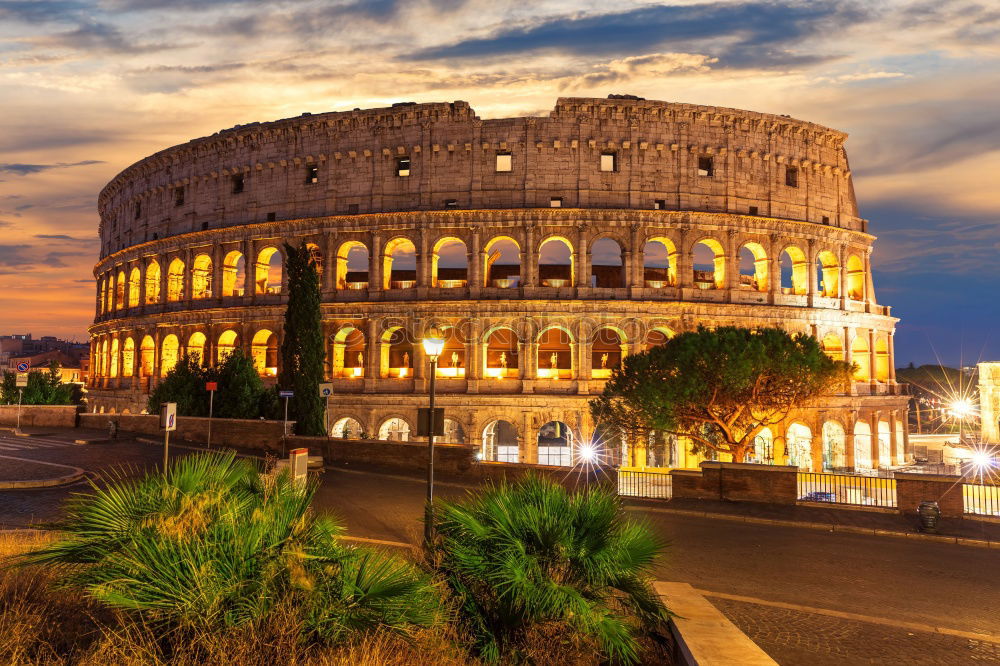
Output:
x=655 y=485
x=847 y=489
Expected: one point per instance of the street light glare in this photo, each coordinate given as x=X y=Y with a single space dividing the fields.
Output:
x=433 y=344
x=961 y=408
x=588 y=452
x=981 y=459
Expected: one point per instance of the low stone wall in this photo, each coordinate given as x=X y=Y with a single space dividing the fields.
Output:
x=738 y=482
x=912 y=489
x=253 y=434
x=47 y=416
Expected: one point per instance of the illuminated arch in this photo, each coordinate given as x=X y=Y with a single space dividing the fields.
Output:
x=884 y=444
x=347 y=428
x=500 y=442
x=113 y=359
x=128 y=357
x=196 y=347
x=754 y=267
x=396 y=353
x=399 y=264
x=555 y=353
x=861 y=357
x=449 y=263
x=502 y=262
x=833 y=346
x=316 y=258
x=862 y=446
x=147 y=356
x=829 y=274
x=834 y=446
x=798 y=444
x=709 y=271
x=556 y=444
x=201 y=277
x=349 y=351
x=352 y=265
x=264 y=353
x=658 y=336
x=608 y=347
x=234 y=266
x=134 y=284
x=560 y=269
x=227 y=344
x=120 y=291
x=659 y=263
x=153 y=282
x=394 y=429
x=501 y=351
x=607 y=263
x=855 y=278
x=269 y=271
x=881 y=359
x=794 y=271
x=169 y=354
x=175 y=280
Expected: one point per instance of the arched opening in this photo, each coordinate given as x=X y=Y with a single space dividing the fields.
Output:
x=264 y=353
x=103 y=295
x=349 y=353
x=394 y=430
x=900 y=444
x=503 y=263
x=607 y=267
x=452 y=360
x=316 y=258
x=234 y=277
x=196 y=347
x=399 y=264
x=153 y=282
x=268 y=273
x=658 y=336
x=855 y=278
x=501 y=355
x=834 y=447
x=128 y=358
x=397 y=353
x=881 y=359
x=169 y=353
x=102 y=359
x=352 y=265
x=201 y=277
x=884 y=445
x=113 y=361
x=175 y=280
x=120 y=291
x=147 y=356
x=753 y=267
x=862 y=359
x=763 y=448
x=555 y=354
x=347 y=428
x=449 y=263
x=862 y=447
x=607 y=351
x=833 y=346
x=709 y=264
x=500 y=442
x=228 y=341
x=794 y=271
x=798 y=442
x=134 y=283
x=659 y=263
x=829 y=274
x=454 y=433
x=555 y=444
x=556 y=262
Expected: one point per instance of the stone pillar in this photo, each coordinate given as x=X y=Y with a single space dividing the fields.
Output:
x=893 y=444
x=249 y=268
x=891 y=342
x=474 y=265
x=529 y=258
x=841 y=259
x=774 y=269
x=425 y=261
x=872 y=356
x=375 y=264
x=218 y=259
x=372 y=356
x=474 y=356
x=143 y=267
x=873 y=419
x=732 y=265
x=685 y=261
x=329 y=263
x=811 y=267
x=849 y=439
x=187 y=291
x=528 y=444
x=869 y=284
x=634 y=276
x=164 y=270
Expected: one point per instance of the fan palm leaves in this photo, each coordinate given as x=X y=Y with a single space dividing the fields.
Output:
x=215 y=544
x=528 y=553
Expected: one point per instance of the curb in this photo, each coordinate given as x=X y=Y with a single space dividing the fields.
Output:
x=77 y=474
x=826 y=527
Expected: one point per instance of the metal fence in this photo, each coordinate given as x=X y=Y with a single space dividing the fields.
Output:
x=847 y=489
x=655 y=485
x=981 y=500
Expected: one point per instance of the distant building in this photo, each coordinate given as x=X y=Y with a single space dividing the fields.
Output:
x=989 y=401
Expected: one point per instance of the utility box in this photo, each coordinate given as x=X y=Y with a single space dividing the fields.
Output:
x=298 y=465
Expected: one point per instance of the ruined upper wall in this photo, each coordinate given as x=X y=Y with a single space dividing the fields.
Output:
x=453 y=162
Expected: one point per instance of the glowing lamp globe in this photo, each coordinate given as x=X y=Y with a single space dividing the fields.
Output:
x=433 y=345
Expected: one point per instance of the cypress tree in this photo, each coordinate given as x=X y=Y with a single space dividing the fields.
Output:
x=302 y=347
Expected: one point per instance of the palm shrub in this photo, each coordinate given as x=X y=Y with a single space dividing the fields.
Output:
x=215 y=544
x=517 y=556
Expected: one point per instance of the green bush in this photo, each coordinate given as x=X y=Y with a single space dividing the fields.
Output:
x=215 y=544
x=44 y=388
x=523 y=555
x=241 y=393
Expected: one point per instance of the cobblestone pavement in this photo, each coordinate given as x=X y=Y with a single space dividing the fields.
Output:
x=798 y=638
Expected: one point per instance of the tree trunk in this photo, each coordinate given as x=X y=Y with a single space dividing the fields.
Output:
x=739 y=453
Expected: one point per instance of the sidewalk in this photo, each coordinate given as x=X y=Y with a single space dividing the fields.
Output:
x=21 y=473
x=954 y=530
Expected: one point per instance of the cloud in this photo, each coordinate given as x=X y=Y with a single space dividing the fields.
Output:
x=68 y=239
x=27 y=169
x=740 y=35
x=40 y=11
x=16 y=255
x=97 y=37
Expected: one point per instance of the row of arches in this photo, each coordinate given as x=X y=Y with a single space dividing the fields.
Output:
x=791 y=270
x=870 y=450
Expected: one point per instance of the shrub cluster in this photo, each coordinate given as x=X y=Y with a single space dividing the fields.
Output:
x=241 y=393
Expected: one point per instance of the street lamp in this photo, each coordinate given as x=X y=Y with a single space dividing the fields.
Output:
x=960 y=409
x=433 y=346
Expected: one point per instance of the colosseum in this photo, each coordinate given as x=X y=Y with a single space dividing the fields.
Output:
x=546 y=248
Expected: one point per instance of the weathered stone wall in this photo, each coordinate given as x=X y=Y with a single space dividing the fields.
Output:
x=737 y=482
x=225 y=432
x=989 y=401
x=62 y=416
x=912 y=489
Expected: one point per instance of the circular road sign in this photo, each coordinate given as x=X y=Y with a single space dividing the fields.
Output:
x=23 y=366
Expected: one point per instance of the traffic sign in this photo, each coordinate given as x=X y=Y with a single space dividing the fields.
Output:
x=23 y=366
x=424 y=418
x=168 y=416
x=325 y=390
x=22 y=380
x=211 y=386
x=285 y=394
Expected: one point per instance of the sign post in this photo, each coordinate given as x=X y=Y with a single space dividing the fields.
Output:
x=20 y=383
x=284 y=430
x=168 y=421
x=211 y=387
x=325 y=391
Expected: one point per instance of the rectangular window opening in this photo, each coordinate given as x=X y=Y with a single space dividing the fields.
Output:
x=555 y=202
x=312 y=174
x=754 y=210
x=505 y=162
x=403 y=167
x=826 y=219
x=204 y=226
x=609 y=162
x=706 y=166
x=451 y=203
x=178 y=196
x=352 y=209
x=271 y=217
x=138 y=210
x=660 y=204
x=791 y=176
x=238 y=183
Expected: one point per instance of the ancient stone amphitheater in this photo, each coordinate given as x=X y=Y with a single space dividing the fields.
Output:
x=546 y=248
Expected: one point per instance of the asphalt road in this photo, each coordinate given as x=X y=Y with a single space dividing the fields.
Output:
x=806 y=596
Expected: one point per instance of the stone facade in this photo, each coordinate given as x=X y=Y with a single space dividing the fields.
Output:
x=546 y=249
x=989 y=401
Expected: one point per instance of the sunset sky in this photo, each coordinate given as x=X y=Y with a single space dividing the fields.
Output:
x=88 y=87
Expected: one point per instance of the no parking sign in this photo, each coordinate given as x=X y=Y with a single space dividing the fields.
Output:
x=23 y=366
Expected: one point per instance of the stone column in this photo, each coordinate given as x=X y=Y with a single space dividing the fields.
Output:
x=249 y=268
x=891 y=342
x=893 y=444
x=474 y=265
x=841 y=259
x=869 y=284
x=873 y=419
x=774 y=269
x=634 y=268
x=529 y=262
x=685 y=262
x=372 y=356
x=474 y=356
x=218 y=259
x=872 y=356
x=143 y=267
x=849 y=439
x=811 y=268
x=329 y=263
x=732 y=264
x=187 y=291
x=528 y=444
x=582 y=277
x=424 y=261
x=164 y=270
x=375 y=263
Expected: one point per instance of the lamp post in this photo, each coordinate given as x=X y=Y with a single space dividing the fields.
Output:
x=433 y=346
x=960 y=409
